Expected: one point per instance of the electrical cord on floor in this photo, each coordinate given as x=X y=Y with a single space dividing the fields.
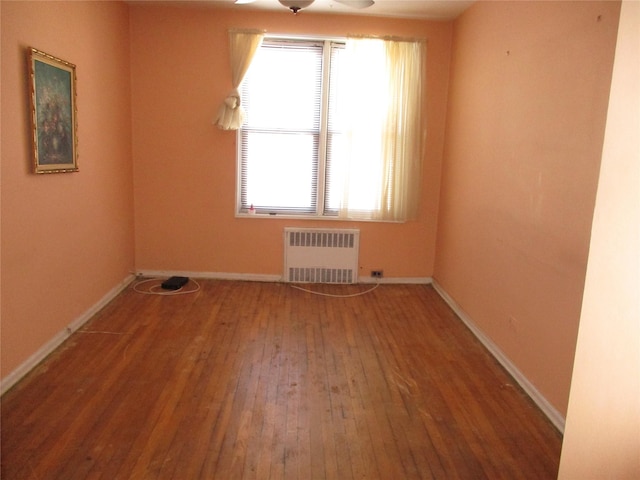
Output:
x=158 y=290
x=336 y=296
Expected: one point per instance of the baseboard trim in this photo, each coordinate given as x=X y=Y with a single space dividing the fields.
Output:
x=15 y=376
x=255 y=277
x=397 y=280
x=249 y=277
x=549 y=410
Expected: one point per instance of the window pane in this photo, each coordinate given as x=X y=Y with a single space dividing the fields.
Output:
x=280 y=178
x=357 y=110
x=336 y=137
x=284 y=88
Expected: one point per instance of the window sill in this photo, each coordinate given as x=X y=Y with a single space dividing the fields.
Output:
x=279 y=216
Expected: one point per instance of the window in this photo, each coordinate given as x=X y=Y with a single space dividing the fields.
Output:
x=320 y=136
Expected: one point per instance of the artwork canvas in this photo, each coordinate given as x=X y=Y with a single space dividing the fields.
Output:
x=53 y=113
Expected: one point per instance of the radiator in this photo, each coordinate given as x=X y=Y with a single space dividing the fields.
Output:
x=321 y=256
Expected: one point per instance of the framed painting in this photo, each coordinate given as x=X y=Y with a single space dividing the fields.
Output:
x=53 y=113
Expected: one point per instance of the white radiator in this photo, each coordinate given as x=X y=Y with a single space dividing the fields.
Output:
x=321 y=256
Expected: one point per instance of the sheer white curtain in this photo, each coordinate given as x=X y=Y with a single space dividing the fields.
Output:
x=382 y=102
x=243 y=45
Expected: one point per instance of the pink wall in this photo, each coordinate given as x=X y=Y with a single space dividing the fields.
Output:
x=602 y=437
x=67 y=239
x=528 y=101
x=185 y=167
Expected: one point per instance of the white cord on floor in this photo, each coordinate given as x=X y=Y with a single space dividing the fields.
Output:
x=336 y=296
x=153 y=289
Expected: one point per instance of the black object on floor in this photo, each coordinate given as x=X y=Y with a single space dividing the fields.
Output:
x=174 y=283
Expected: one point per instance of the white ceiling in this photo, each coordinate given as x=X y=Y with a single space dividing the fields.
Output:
x=420 y=9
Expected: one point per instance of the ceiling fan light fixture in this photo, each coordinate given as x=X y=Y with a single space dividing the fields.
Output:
x=296 y=5
x=356 y=3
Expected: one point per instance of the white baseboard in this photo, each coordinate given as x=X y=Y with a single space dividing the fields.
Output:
x=549 y=410
x=15 y=376
x=397 y=280
x=255 y=277
x=249 y=277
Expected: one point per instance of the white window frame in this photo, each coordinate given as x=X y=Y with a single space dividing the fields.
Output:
x=243 y=211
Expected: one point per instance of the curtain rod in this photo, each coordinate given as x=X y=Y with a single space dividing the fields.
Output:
x=341 y=38
x=247 y=30
x=392 y=38
x=297 y=36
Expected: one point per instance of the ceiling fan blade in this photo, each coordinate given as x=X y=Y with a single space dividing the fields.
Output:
x=356 y=3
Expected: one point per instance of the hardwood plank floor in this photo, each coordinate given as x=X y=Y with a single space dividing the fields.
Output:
x=264 y=381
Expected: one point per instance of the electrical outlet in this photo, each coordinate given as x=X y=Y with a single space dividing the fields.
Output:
x=376 y=273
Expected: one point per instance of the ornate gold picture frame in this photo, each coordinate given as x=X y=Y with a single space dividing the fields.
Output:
x=52 y=83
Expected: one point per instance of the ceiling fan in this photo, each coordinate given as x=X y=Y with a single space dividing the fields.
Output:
x=296 y=5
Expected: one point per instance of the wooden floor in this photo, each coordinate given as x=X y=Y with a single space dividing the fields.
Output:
x=264 y=381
